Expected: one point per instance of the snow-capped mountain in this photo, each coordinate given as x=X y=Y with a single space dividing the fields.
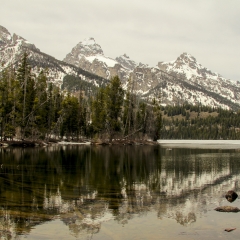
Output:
x=179 y=81
x=89 y=56
x=176 y=82
x=221 y=90
x=13 y=46
x=187 y=66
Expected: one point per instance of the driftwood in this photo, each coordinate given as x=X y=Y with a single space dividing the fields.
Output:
x=227 y=209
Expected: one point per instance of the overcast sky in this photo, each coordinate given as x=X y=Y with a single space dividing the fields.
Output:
x=148 y=31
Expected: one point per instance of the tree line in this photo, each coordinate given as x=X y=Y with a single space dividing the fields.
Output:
x=31 y=107
x=187 y=122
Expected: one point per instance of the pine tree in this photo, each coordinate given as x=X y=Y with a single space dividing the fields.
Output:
x=99 y=116
x=70 y=113
x=41 y=108
x=9 y=89
x=141 y=118
x=27 y=93
x=114 y=99
x=128 y=113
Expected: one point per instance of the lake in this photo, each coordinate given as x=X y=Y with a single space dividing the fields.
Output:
x=118 y=192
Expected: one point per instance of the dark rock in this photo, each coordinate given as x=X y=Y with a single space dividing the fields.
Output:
x=227 y=209
x=229 y=229
x=231 y=196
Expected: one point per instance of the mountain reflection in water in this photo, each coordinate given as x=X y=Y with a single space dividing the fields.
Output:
x=84 y=186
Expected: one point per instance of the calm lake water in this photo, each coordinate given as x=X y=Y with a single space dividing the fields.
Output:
x=119 y=192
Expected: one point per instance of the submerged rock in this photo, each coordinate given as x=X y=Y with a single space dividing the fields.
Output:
x=227 y=209
x=231 y=196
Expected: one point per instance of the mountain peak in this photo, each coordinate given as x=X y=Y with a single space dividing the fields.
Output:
x=88 y=47
x=142 y=65
x=188 y=65
x=186 y=57
x=125 y=61
x=89 y=41
x=4 y=30
x=20 y=40
x=5 y=36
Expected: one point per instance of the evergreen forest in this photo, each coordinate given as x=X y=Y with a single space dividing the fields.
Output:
x=199 y=122
x=33 y=108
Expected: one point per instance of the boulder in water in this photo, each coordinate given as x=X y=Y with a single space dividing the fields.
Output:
x=231 y=196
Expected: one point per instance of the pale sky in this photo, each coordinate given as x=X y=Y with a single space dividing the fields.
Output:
x=147 y=31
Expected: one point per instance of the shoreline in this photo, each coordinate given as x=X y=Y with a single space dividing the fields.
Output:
x=164 y=143
x=204 y=144
x=37 y=143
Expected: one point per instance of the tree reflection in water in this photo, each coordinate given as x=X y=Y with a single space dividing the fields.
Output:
x=85 y=186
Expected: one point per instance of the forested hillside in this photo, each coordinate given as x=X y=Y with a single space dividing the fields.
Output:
x=199 y=122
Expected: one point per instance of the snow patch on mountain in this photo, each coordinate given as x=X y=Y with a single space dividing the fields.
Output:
x=108 y=61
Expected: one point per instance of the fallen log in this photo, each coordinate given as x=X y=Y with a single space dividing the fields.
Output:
x=227 y=209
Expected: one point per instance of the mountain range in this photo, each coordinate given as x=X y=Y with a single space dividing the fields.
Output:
x=176 y=82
